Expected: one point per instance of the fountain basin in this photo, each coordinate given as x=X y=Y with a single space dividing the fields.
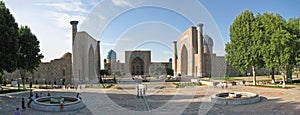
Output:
x=233 y=98
x=50 y=104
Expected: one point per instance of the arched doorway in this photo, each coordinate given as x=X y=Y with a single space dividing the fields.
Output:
x=91 y=64
x=137 y=66
x=184 y=63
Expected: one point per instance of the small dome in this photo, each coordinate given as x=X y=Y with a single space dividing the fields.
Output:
x=66 y=55
x=111 y=54
x=208 y=40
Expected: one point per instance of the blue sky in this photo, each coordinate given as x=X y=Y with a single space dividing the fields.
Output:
x=136 y=24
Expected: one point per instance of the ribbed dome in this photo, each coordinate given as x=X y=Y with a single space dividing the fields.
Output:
x=111 y=54
x=66 y=55
x=208 y=40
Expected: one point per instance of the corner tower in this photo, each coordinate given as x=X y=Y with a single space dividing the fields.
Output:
x=74 y=29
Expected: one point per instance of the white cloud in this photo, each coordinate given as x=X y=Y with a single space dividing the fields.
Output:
x=66 y=6
x=62 y=20
x=122 y=3
x=107 y=44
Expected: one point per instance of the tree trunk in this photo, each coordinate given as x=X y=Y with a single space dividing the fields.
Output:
x=272 y=75
x=298 y=71
x=254 y=74
x=22 y=72
x=289 y=73
x=283 y=80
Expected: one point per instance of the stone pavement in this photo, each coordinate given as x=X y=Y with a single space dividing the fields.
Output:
x=9 y=102
x=163 y=98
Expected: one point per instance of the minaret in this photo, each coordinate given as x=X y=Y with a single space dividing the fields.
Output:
x=175 y=58
x=75 y=71
x=200 y=51
x=98 y=56
x=99 y=62
x=74 y=30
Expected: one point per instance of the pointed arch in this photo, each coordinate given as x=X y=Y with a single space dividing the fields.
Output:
x=183 y=59
x=137 y=66
x=91 y=58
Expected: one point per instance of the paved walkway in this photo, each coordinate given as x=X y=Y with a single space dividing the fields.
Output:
x=163 y=98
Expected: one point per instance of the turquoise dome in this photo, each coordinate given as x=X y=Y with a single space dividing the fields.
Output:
x=208 y=40
x=111 y=54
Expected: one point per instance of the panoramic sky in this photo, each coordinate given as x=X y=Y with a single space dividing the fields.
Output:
x=136 y=24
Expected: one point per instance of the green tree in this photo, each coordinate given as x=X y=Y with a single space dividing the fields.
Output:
x=280 y=45
x=243 y=50
x=170 y=71
x=104 y=72
x=29 y=56
x=294 y=30
x=8 y=40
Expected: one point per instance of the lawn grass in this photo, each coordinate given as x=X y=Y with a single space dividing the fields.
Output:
x=272 y=86
x=172 y=80
x=298 y=84
x=235 y=78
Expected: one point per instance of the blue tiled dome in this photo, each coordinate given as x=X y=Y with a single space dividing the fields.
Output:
x=208 y=40
x=111 y=54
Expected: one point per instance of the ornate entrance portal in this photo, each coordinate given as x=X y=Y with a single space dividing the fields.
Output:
x=137 y=66
x=184 y=62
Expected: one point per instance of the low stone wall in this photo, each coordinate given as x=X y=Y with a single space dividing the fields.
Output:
x=234 y=101
x=70 y=106
x=209 y=83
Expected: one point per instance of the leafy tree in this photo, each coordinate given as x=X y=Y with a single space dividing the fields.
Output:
x=1 y=79
x=8 y=40
x=104 y=72
x=294 y=30
x=170 y=71
x=29 y=57
x=243 y=50
x=280 y=45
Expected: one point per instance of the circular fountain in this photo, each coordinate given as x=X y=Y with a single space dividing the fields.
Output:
x=235 y=98
x=51 y=103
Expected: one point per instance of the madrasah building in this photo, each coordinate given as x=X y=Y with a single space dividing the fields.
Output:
x=194 y=56
x=137 y=62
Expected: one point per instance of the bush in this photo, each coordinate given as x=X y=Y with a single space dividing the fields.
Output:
x=45 y=87
x=11 y=91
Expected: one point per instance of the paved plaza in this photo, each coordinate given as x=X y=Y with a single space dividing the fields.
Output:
x=164 y=98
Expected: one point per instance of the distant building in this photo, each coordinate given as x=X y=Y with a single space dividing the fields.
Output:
x=137 y=62
x=56 y=70
x=112 y=64
x=86 y=57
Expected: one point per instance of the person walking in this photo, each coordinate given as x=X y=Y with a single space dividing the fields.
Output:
x=137 y=91
x=17 y=112
x=145 y=89
x=41 y=94
x=30 y=85
x=37 y=95
x=78 y=96
x=30 y=93
x=61 y=106
x=23 y=104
